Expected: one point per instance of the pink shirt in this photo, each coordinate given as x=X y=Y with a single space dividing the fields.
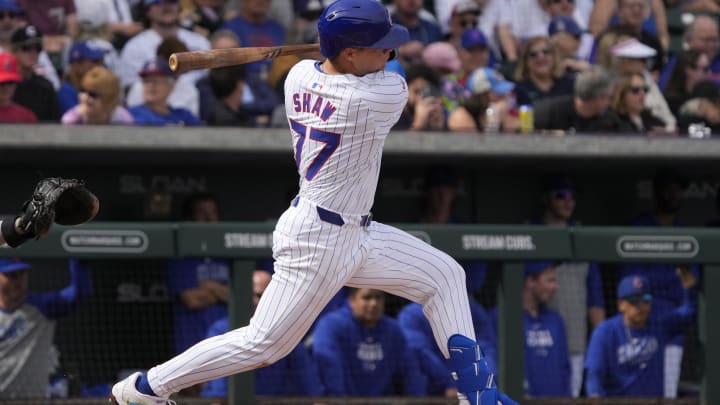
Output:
x=120 y=116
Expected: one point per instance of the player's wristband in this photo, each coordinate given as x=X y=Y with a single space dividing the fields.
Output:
x=10 y=234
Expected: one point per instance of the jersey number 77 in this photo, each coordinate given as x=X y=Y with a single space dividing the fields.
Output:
x=330 y=139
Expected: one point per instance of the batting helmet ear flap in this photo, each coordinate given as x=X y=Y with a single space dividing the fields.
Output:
x=394 y=54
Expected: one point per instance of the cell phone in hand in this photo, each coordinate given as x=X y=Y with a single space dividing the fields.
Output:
x=431 y=91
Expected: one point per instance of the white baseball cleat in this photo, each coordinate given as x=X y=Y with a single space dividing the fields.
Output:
x=125 y=393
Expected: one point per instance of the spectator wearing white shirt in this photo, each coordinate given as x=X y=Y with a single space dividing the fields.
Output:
x=115 y=14
x=184 y=94
x=163 y=16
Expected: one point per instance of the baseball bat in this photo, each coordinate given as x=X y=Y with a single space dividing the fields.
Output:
x=182 y=62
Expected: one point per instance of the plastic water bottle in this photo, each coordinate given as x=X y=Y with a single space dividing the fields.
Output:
x=492 y=121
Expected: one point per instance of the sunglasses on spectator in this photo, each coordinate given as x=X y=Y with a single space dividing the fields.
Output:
x=562 y=1
x=469 y=23
x=638 y=89
x=539 y=52
x=7 y=84
x=705 y=68
x=31 y=48
x=90 y=93
x=7 y=14
x=635 y=299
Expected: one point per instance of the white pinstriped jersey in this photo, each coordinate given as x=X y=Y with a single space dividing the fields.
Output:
x=338 y=125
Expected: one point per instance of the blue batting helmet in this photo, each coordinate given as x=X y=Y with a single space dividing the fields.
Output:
x=358 y=24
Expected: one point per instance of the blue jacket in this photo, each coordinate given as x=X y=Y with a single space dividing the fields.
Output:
x=191 y=325
x=370 y=362
x=622 y=361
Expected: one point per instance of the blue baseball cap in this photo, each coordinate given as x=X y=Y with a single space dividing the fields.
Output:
x=565 y=24
x=473 y=37
x=156 y=67
x=10 y=5
x=537 y=267
x=83 y=50
x=10 y=265
x=486 y=79
x=634 y=285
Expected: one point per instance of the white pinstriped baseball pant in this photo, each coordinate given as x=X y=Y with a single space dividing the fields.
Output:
x=313 y=260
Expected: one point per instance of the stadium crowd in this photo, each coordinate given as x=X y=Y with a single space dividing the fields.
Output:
x=578 y=66
x=472 y=66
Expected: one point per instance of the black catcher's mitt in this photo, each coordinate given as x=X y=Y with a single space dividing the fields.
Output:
x=63 y=201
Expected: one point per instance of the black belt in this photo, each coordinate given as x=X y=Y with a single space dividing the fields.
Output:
x=333 y=217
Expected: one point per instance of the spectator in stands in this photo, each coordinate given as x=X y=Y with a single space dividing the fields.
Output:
x=10 y=112
x=703 y=35
x=362 y=352
x=547 y=364
x=158 y=82
x=606 y=13
x=488 y=109
x=203 y=16
x=444 y=60
x=474 y=54
x=228 y=84
x=540 y=73
x=27 y=355
x=464 y=16
x=199 y=286
x=112 y=16
x=625 y=354
x=631 y=57
x=254 y=28
x=99 y=97
x=566 y=36
x=631 y=14
x=163 y=20
x=691 y=67
x=408 y=13
x=424 y=110
x=668 y=193
x=34 y=92
x=83 y=57
x=628 y=103
x=569 y=14
x=11 y=22
x=294 y=375
x=585 y=111
x=258 y=98
x=57 y=21
x=185 y=93
x=703 y=108
x=579 y=297
x=519 y=21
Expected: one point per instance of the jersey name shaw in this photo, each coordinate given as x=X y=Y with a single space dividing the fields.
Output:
x=498 y=242
x=304 y=102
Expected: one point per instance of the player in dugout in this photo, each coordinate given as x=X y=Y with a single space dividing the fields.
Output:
x=625 y=356
x=340 y=111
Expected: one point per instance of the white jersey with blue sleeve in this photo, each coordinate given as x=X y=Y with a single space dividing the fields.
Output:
x=339 y=124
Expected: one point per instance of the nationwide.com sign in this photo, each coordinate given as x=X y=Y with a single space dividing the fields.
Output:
x=104 y=241
x=673 y=247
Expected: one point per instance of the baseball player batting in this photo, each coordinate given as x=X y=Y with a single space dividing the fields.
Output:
x=340 y=111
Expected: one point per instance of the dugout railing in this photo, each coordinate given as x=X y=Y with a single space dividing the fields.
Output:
x=245 y=242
